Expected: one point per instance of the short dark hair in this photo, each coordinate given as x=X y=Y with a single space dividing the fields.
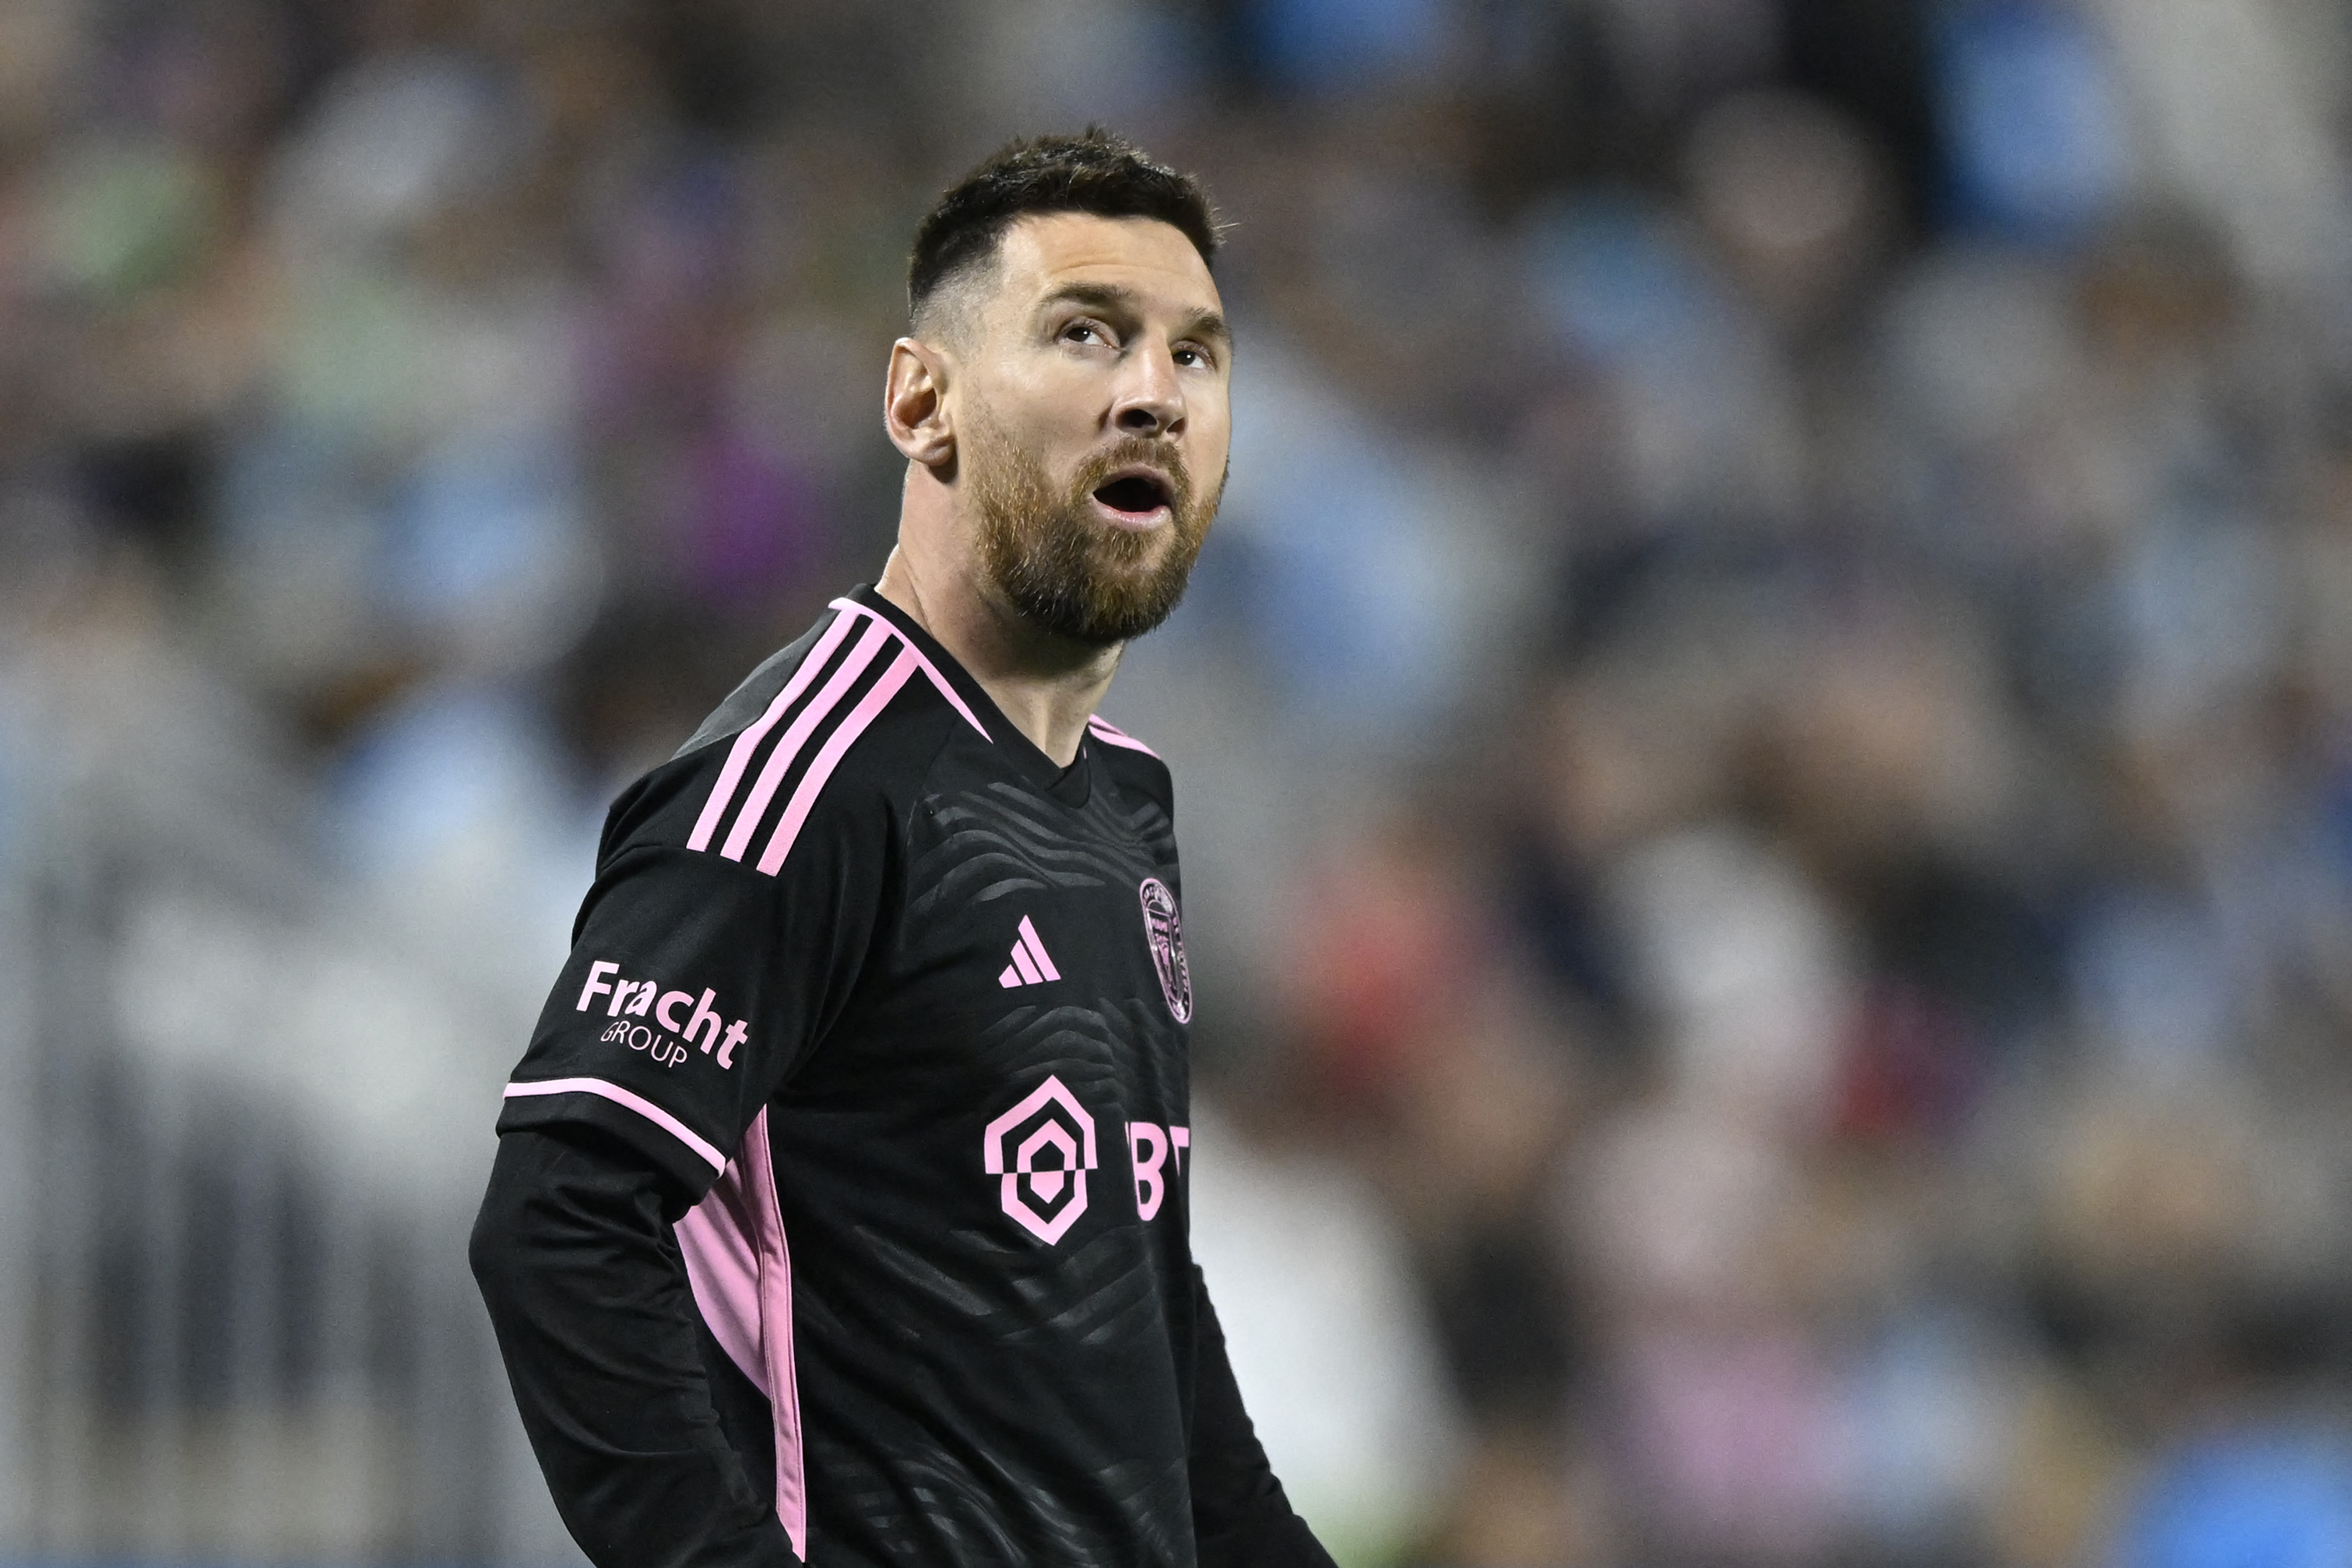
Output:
x=1094 y=171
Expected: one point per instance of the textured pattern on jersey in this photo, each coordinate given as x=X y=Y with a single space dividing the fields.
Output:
x=924 y=1526
x=1074 y=1337
x=1004 y=840
x=1147 y=820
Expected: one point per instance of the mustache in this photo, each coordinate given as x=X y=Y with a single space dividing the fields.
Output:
x=1156 y=451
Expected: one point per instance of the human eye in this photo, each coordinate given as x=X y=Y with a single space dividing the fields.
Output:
x=1194 y=355
x=1084 y=329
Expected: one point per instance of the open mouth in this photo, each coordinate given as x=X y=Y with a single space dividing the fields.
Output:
x=1135 y=496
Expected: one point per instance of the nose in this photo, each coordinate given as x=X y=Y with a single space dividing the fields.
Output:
x=1150 y=397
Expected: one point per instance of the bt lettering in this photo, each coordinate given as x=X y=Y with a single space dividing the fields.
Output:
x=1151 y=1186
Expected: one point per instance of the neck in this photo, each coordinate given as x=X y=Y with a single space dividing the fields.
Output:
x=1044 y=685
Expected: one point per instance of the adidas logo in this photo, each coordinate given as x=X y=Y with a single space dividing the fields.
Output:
x=1030 y=966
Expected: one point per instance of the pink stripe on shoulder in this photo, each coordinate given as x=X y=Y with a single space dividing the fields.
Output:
x=928 y=668
x=820 y=707
x=738 y=757
x=1110 y=734
x=619 y=1096
x=820 y=769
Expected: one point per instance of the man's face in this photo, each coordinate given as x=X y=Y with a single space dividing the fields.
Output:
x=1092 y=421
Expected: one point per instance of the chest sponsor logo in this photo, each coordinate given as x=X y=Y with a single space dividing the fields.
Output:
x=688 y=1020
x=1165 y=931
x=1150 y=1146
x=1041 y=1150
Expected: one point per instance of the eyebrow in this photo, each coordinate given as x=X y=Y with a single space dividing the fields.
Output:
x=1110 y=297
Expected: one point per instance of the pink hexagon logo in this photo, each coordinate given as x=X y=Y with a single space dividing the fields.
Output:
x=1043 y=1149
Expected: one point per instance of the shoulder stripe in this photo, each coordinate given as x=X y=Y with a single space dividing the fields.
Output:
x=748 y=743
x=820 y=707
x=619 y=1096
x=846 y=734
x=1110 y=734
x=928 y=668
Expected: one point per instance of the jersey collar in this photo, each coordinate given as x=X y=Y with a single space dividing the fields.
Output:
x=1070 y=786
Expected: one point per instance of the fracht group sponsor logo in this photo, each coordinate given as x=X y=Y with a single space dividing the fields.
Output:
x=689 y=1020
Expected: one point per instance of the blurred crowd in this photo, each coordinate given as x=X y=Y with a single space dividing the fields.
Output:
x=1764 y=745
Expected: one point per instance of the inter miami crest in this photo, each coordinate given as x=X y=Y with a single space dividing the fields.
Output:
x=1165 y=931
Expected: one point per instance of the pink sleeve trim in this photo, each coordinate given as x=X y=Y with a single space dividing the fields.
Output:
x=741 y=1269
x=619 y=1096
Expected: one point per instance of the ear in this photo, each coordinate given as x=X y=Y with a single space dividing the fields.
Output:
x=914 y=404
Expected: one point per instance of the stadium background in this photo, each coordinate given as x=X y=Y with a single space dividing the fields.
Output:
x=1764 y=747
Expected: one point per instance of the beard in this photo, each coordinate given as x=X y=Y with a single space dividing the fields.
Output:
x=1065 y=569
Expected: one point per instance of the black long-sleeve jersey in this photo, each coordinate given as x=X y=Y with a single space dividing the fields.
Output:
x=840 y=1211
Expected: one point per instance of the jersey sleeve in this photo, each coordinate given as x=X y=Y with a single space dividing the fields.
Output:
x=698 y=982
x=596 y=1323
x=1240 y=1517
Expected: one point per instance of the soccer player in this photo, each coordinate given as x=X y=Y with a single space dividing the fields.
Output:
x=839 y=1213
